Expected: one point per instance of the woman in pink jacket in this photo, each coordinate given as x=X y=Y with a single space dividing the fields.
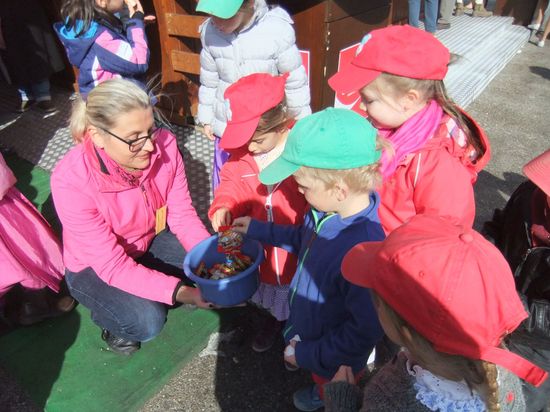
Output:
x=116 y=194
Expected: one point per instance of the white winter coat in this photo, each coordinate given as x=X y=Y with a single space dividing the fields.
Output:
x=266 y=45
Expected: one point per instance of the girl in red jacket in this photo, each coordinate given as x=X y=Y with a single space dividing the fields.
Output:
x=256 y=133
x=437 y=148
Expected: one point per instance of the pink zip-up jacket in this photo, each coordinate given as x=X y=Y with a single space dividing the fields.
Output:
x=107 y=223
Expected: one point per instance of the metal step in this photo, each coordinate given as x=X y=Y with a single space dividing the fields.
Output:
x=484 y=46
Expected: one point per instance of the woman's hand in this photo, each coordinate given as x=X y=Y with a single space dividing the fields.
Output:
x=221 y=217
x=133 y=7
x=344 y=374
x=207 y=130
x=241 y=224
x=192 y=296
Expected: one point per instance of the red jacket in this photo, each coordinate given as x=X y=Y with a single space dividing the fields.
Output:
x=437 y=179
x=243 y=194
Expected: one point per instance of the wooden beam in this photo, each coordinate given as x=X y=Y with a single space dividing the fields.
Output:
x=183 y=25
x=185 y=62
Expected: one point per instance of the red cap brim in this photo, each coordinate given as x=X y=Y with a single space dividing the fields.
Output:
x=238 y=134
x=538 y=171
x=351 y=78
x=358 y=263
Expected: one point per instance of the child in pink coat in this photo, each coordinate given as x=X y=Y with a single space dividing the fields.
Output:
x=30 y=256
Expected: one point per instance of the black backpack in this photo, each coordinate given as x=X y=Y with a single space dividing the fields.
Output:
x=509 y=230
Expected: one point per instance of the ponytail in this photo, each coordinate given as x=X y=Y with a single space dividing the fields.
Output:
x=78 y=122
x=478 y=374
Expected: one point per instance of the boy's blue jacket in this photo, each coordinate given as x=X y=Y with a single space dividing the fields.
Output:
x=104 y=52
x=336 y=320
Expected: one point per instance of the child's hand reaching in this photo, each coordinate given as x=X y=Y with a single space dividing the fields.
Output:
x=241 y=224
x=133 y=6
x=221 y=217
x=344 y=374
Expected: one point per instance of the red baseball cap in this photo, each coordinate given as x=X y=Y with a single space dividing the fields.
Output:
x=401 y=50
x=450 y=284
x=538 y=171
x=246 y=101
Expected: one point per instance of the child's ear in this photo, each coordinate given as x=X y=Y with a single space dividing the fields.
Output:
x=341 y=191
x=96 y=136
x=411 y=100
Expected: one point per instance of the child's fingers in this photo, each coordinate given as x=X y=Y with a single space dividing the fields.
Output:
x=241 y=224
x=131 y=4
x=207 y=130
x=226 y=218
x=215 y=224
x=138 y=6
x=221 y=217
x=344 y=374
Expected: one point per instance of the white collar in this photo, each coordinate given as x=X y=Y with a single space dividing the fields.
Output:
x=440 y=394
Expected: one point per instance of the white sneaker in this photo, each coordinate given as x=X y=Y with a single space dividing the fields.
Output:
x=540 y=43
x=534 y=26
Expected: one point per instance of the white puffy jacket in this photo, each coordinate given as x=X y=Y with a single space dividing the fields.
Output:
x=267 y=44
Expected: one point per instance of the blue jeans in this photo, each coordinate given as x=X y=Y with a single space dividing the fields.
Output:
x=35 y=91
x=121 y=313
x=430 y=14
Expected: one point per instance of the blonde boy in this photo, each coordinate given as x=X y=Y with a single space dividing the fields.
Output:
x=334 y=158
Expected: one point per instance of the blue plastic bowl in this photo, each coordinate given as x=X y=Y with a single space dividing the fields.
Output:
x=229 y=291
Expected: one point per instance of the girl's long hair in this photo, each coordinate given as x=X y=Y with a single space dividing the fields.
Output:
x=479 y=375
x=84 y=11
x=433 y=89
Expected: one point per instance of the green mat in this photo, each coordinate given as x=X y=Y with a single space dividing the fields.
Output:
x=62 y=363
x=34 y=183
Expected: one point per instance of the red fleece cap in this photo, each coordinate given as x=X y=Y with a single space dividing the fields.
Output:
x=448 y=283
x=246 y=101
x=401 y=50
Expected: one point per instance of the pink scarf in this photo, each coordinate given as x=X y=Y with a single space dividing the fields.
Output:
x=410 y=136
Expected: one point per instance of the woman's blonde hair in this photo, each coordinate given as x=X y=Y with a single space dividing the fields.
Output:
x=479 y=375
x=105 y=103
x=431 y=89
x=364 y=179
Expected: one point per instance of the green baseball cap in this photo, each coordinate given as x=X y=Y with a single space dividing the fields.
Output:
x=224 y=9
x=330 y=139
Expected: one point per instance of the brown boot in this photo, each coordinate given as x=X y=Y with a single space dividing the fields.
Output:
x=481 y=11
x=459 y=11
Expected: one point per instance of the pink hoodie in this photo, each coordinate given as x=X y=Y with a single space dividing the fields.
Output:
x=107 y=223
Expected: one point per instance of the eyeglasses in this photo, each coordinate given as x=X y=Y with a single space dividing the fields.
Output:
x=136 y=145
